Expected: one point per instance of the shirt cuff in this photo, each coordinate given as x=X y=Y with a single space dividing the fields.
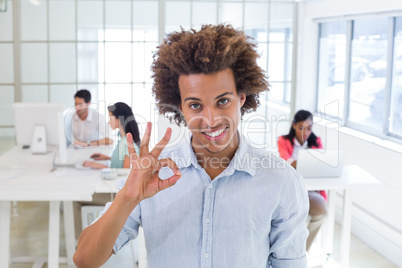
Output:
x=288 y=263
x=121 y=241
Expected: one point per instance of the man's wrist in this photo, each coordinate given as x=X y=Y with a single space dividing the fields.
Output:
x=128 y=199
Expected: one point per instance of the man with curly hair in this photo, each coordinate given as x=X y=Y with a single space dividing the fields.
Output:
x=224 y=204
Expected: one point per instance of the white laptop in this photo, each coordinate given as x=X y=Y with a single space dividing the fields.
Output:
x=320 y=163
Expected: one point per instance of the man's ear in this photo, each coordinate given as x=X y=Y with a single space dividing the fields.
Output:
x=243 y=98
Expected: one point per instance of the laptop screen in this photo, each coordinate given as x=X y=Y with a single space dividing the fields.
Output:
x=320 y=163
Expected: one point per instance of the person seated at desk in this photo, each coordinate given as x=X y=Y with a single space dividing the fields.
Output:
x=122 y=118
x=88 y=127
x=301 y=136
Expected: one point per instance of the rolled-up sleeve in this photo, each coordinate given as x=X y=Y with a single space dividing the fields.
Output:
x=291 y=263
x=129 y=230
x=288 y=227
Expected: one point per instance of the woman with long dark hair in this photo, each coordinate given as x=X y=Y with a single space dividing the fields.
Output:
x=301 y=136
x=122 y=118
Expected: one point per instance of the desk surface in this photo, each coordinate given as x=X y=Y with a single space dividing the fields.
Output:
x=352 y=176
x=39 y=183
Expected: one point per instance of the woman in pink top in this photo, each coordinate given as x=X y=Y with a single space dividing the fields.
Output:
x=301 y=136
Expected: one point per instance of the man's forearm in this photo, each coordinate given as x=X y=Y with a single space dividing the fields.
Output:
x=104 y=141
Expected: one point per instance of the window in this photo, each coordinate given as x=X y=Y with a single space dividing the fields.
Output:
x=362 y=60
x=395 y=116
x=102 y=45
x=274 y=36
x=331 y=67
x=368 y=72
x=7 y=75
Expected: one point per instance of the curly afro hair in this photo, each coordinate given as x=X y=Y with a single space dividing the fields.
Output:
x=209 y=50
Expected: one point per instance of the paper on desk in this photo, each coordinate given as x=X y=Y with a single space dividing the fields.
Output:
x=73 y=172
x=11 y=172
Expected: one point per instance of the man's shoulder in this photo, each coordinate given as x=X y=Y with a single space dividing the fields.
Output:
x=96 y=114
x=269 y=164
x=264 y=153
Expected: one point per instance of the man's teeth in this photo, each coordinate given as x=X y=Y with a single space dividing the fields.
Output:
x=214 y=134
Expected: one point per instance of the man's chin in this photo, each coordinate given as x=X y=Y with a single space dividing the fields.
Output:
x=215 y=150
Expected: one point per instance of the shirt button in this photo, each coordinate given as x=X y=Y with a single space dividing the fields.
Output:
x=210 y=186
x=206 y=255
x=207 y=220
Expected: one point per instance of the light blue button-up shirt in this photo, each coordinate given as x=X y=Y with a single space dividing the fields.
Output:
x=252 y=215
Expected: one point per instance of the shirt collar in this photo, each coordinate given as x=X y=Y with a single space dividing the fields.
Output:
x=242 y=160
x=297 y=144
x=89 y=117
x=184 y=156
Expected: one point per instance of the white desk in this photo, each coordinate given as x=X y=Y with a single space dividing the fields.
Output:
x=38 y=183
x=352 y=177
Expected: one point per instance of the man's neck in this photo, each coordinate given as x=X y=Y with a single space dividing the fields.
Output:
x=216 y=162
x=84 y=115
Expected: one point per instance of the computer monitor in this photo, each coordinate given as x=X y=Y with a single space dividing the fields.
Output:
x=36 y=124
x=65 y=135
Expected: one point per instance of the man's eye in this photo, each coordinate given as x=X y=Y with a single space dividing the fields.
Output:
x=195 y=106
x=223 y=101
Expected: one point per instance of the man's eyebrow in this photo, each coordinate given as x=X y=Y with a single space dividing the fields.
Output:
x=190 y=98
x=197 y=99
x=224 y=94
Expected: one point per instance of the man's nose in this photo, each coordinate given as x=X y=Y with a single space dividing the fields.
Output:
x=210 y=116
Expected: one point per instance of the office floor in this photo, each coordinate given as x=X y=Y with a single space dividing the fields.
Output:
x=29 y=225
x=29 y=237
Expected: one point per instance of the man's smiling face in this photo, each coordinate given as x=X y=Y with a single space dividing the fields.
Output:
x=211 y=107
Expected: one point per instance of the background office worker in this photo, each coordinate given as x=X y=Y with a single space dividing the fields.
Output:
x=300 y=137
x=226 y=210
x=88 y=127
x=121 y=118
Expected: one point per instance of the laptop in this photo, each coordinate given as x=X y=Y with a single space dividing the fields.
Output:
x=320 y=163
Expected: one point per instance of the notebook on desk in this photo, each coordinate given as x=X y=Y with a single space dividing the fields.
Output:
x=320 y=163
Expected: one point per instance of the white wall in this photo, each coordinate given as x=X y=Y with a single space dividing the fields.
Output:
x=377 y=214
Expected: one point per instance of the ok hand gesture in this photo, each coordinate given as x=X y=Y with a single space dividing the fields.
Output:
x=143 y=180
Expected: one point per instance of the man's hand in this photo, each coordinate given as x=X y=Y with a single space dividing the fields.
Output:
x=93 y=165
x=143 y=180
x=80 y=144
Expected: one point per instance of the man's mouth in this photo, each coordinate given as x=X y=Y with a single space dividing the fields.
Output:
x=215 y=133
